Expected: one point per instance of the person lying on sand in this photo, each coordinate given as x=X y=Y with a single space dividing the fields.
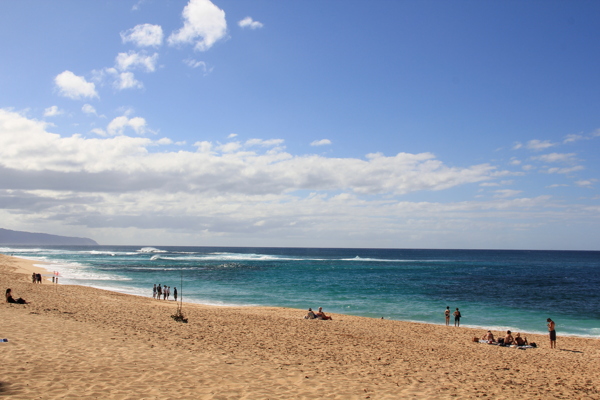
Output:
x=508 y=339
x=489 y=336
x=310 y=315
x=9 y=298
x=321 y=314
x=519 y=340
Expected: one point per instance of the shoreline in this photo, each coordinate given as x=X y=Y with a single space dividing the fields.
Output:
x=103 y=344
x=33 y=265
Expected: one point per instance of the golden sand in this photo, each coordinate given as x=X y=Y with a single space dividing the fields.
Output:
x=84 y=343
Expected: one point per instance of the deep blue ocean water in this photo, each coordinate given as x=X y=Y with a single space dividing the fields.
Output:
x=494 y=289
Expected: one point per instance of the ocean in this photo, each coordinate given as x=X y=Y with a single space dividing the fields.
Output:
x=494 y=289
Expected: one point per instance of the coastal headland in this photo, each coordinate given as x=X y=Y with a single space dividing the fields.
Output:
x=86 y=343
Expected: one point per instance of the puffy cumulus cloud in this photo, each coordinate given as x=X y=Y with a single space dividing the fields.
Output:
x=119 y=80
x=118 y=125
x=74 y=87
x=89 y=109
x=243 y=189
x=133 y=59
x=52 y=111
x=230 y=168
x=143 y=35
x=248 y=22
x=203 y=25
x=322 y=142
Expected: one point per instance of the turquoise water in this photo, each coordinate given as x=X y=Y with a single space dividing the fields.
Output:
x=494 y=289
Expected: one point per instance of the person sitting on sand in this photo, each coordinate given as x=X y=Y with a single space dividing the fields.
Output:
x=9 y=298
x=489 y=336
x=321 y=314
x=508 y=339
x=519 y=340
x=310 y=315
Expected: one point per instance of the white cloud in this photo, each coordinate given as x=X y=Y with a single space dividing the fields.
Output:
x=538 y=145
x=322 y=142
x=133 y=59
x=143 y=35
x=568 y=170
x=248 y=22
x=126 y=80
x=254 y=189
x=203 y=25
x=88 y=109
x=556 y=157
x=74 y=87
x=555 y=185
x=52 y=111
x=99 y=132
x=514 y=161
x=504 y=193
x=228 y=168
x=198 y=64
x=118 y=125
x=587 y=183
x=572 y=138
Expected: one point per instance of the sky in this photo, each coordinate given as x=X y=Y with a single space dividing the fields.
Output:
x=371 y=124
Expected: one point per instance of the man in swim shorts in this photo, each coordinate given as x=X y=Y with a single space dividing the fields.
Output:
x=551 y=329
x=456 y=317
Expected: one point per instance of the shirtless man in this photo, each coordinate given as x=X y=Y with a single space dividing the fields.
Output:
x=456 y=317
x=489 y=336
x=509 y=339
x=551 y=329
x=519 y=340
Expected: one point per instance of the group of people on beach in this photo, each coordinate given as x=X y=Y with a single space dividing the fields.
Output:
x=317 y=315
x=507 y=340
x=456 y=314
x=36 y=278
x=164 y=292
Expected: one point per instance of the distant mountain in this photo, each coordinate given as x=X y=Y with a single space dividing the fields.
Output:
x=17 y=237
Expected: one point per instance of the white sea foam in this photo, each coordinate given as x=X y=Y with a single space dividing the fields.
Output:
x=151 y=250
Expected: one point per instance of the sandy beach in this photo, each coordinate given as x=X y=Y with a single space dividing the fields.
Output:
x=85 y=343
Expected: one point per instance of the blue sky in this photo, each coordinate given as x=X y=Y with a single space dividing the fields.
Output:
x=395 y=124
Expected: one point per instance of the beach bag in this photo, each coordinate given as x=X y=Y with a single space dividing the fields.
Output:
x=476 y=339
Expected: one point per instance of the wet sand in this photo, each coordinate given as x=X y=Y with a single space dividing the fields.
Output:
x=85 y=343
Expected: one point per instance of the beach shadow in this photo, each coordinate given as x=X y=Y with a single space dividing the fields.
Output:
x=572 y=351
x=4 y=388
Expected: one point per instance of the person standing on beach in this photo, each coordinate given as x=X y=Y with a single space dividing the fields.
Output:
x=154 y=291
x=175 y=293
x=158 y=291
x=447 y=314
x=551 y=329
x=456 y=317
